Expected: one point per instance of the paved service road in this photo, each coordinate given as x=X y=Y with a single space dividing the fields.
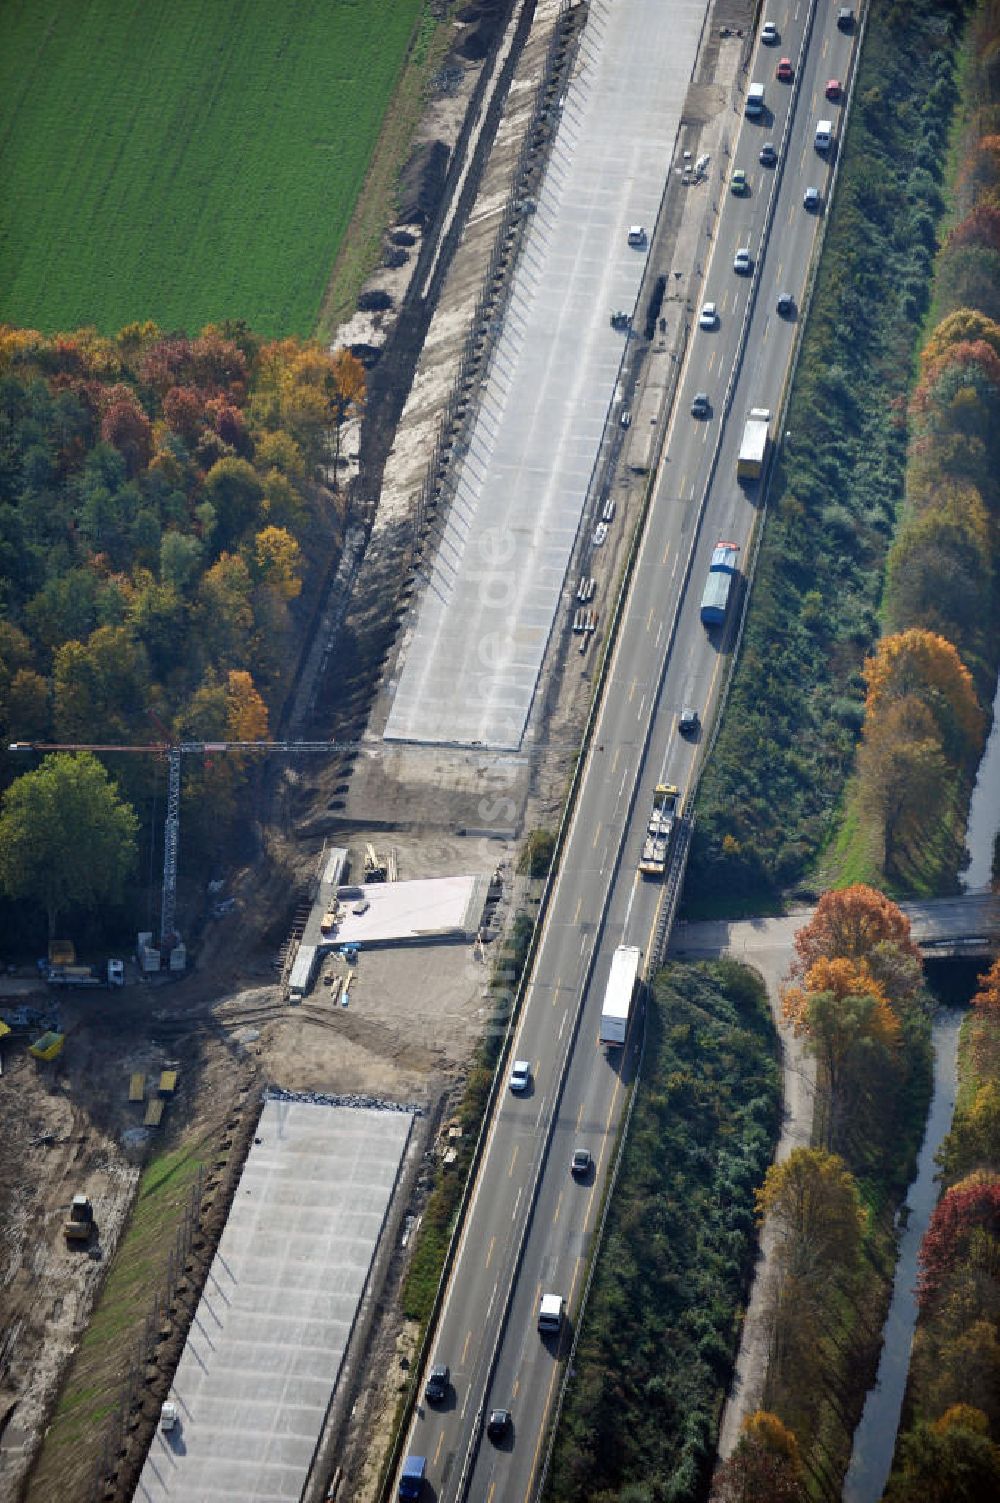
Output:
x=598 y=901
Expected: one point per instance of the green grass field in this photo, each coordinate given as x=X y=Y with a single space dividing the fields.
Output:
x=185 y=160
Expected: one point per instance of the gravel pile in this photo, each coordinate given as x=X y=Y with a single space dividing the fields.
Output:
x=321 y=1098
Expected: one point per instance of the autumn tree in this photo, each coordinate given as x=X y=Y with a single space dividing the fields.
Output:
x=964 y=326
x=125 y=426
x=940 y=565
x=225 y=610
x=854 y=1033
x=812 y=1200
x=246 y=712
x=765 y=1466
x=345 y=389
x=233 y=489
x=854 y=923
x=987 y=998
x=66 y=838
x=101 y=686
x=950 y=1461
x=277 y=560
x=919 y=663
x=964 y=1232
x=903 y=775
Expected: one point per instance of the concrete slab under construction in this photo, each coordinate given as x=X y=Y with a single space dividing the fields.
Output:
x=398 y=913
x=268 y=1339
x=475 y=649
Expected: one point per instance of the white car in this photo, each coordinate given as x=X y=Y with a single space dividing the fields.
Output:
x=742 y=264
x=520 y=1075
x=769 y=33
x=168 y=1416
x=709 y=316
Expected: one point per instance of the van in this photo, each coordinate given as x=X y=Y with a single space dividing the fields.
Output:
x=411 y=1478
x=824 y=135
x=550 y=1313
x=755 y=100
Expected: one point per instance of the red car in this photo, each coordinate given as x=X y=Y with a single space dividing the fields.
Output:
x=833 y=89
x=784 y=72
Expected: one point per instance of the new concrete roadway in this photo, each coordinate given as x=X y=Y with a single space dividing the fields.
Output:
x=518 y=1242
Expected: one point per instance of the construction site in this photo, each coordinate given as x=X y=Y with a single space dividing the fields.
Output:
x=348 y=965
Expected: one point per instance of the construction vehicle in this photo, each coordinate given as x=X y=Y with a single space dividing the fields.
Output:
x=112 y=975
x=659 y=828
x=79 y=1225
x=375 y=867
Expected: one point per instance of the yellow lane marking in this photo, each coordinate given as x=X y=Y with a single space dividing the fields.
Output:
x=513 y=1159
x=489 y=1252
x=465 y=1349
x=558 y=1209
x=597 y=834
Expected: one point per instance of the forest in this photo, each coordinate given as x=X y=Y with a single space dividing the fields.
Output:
x=169 y=504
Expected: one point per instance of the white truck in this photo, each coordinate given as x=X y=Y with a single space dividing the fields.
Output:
x=550 y=1314
x=616 y=1008
x=753 y=447
x=659 y=828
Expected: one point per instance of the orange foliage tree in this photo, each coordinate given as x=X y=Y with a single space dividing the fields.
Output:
x=987 y=998
x=765 y=1466
x=852 y=924
x=920 y=663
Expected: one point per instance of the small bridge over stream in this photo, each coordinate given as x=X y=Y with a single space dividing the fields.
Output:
x=966 y=927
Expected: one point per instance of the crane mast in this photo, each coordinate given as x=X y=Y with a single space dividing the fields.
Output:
x=171 y=842
x=173 y=751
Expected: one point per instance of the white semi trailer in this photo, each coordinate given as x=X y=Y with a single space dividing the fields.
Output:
x=617 y=1006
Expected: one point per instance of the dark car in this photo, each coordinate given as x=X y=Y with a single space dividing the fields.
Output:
x=812 y=200
x=688 y=722
x=437 y=1384
x=845 y=18
x=768 y=154
x=581 y=1162
x=699 y=404
x=498 y=1424
x=786 y=305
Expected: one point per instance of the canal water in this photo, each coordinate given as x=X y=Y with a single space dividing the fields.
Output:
x=875 y=1437
x=984 y=811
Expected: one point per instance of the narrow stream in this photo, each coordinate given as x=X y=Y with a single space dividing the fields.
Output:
x=984 y=811
x=875 y=1437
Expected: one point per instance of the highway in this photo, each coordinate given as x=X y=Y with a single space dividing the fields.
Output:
x=664 y=659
